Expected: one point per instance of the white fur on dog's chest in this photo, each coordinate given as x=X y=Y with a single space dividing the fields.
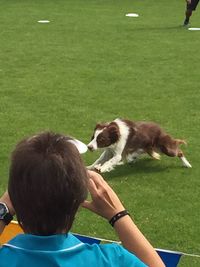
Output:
x=112 y=155
x=124 y=133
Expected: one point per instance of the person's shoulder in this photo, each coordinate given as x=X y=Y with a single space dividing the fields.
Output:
x=119 y=254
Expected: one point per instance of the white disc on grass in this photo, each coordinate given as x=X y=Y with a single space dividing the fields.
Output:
x=43 y=21
x=133 y=15
x=194 y=29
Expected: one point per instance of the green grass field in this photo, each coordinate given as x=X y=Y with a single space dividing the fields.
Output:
x=92 y=64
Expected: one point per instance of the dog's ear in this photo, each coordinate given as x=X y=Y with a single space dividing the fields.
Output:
x=100 y=126
x=113 y=131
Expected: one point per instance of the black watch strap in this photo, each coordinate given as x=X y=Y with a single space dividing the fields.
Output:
x=7 y=218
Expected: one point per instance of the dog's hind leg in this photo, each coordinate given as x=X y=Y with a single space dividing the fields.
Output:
x=132 y=158
x=184 y=160
x=171 y=149
x=181 y=155
x=153 y=154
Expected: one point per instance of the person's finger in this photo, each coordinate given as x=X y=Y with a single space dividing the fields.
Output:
x=87 y=204
x=92 y=188
x=97 y=178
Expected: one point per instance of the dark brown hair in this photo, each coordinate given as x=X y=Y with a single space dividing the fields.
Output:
x=47 y=183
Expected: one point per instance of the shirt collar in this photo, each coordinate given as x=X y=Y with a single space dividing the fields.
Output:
x=45 y=243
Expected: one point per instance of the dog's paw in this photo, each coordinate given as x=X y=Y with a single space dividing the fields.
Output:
x=185 y=162
x=103 y=169
x=96 y=167
x=91 y=167
x=155 y=155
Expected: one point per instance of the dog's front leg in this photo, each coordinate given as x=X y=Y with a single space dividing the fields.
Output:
x=110 y=164
x=105 y=156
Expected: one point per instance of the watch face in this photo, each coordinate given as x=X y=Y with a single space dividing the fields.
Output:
x=3 y=210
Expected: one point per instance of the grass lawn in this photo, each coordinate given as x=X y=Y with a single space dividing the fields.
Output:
x=91 y=63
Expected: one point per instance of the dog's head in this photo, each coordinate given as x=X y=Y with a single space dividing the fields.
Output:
x=104 y=136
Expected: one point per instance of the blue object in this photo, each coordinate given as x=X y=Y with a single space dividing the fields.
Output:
x=88 y=240
x=170 y=258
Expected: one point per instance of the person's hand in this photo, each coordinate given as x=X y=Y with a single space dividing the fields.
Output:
x=6 y=199
x=104 y=201
x=188 y=2
x=107 y=204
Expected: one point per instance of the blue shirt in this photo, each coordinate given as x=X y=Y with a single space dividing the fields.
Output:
x=63 y=250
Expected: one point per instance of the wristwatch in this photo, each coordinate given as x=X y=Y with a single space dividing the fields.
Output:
x=5 y=215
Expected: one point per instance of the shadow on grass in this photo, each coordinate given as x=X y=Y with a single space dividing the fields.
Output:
x=163 y=28
x=142 y=166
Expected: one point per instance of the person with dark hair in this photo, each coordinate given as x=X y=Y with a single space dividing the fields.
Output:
x=190 y=7
x=48 y=183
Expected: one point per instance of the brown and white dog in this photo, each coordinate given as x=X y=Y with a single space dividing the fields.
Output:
x=125 y=140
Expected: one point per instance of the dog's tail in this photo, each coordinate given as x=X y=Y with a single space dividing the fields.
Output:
x=180 y=142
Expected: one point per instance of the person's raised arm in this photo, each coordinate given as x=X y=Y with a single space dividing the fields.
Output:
x=106 y=203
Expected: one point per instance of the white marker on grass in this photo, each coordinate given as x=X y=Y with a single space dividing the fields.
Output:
x=133 y=15
x=194 y=29
x=43 y=21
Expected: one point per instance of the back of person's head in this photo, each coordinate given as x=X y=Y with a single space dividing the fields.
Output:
x=47 y=183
